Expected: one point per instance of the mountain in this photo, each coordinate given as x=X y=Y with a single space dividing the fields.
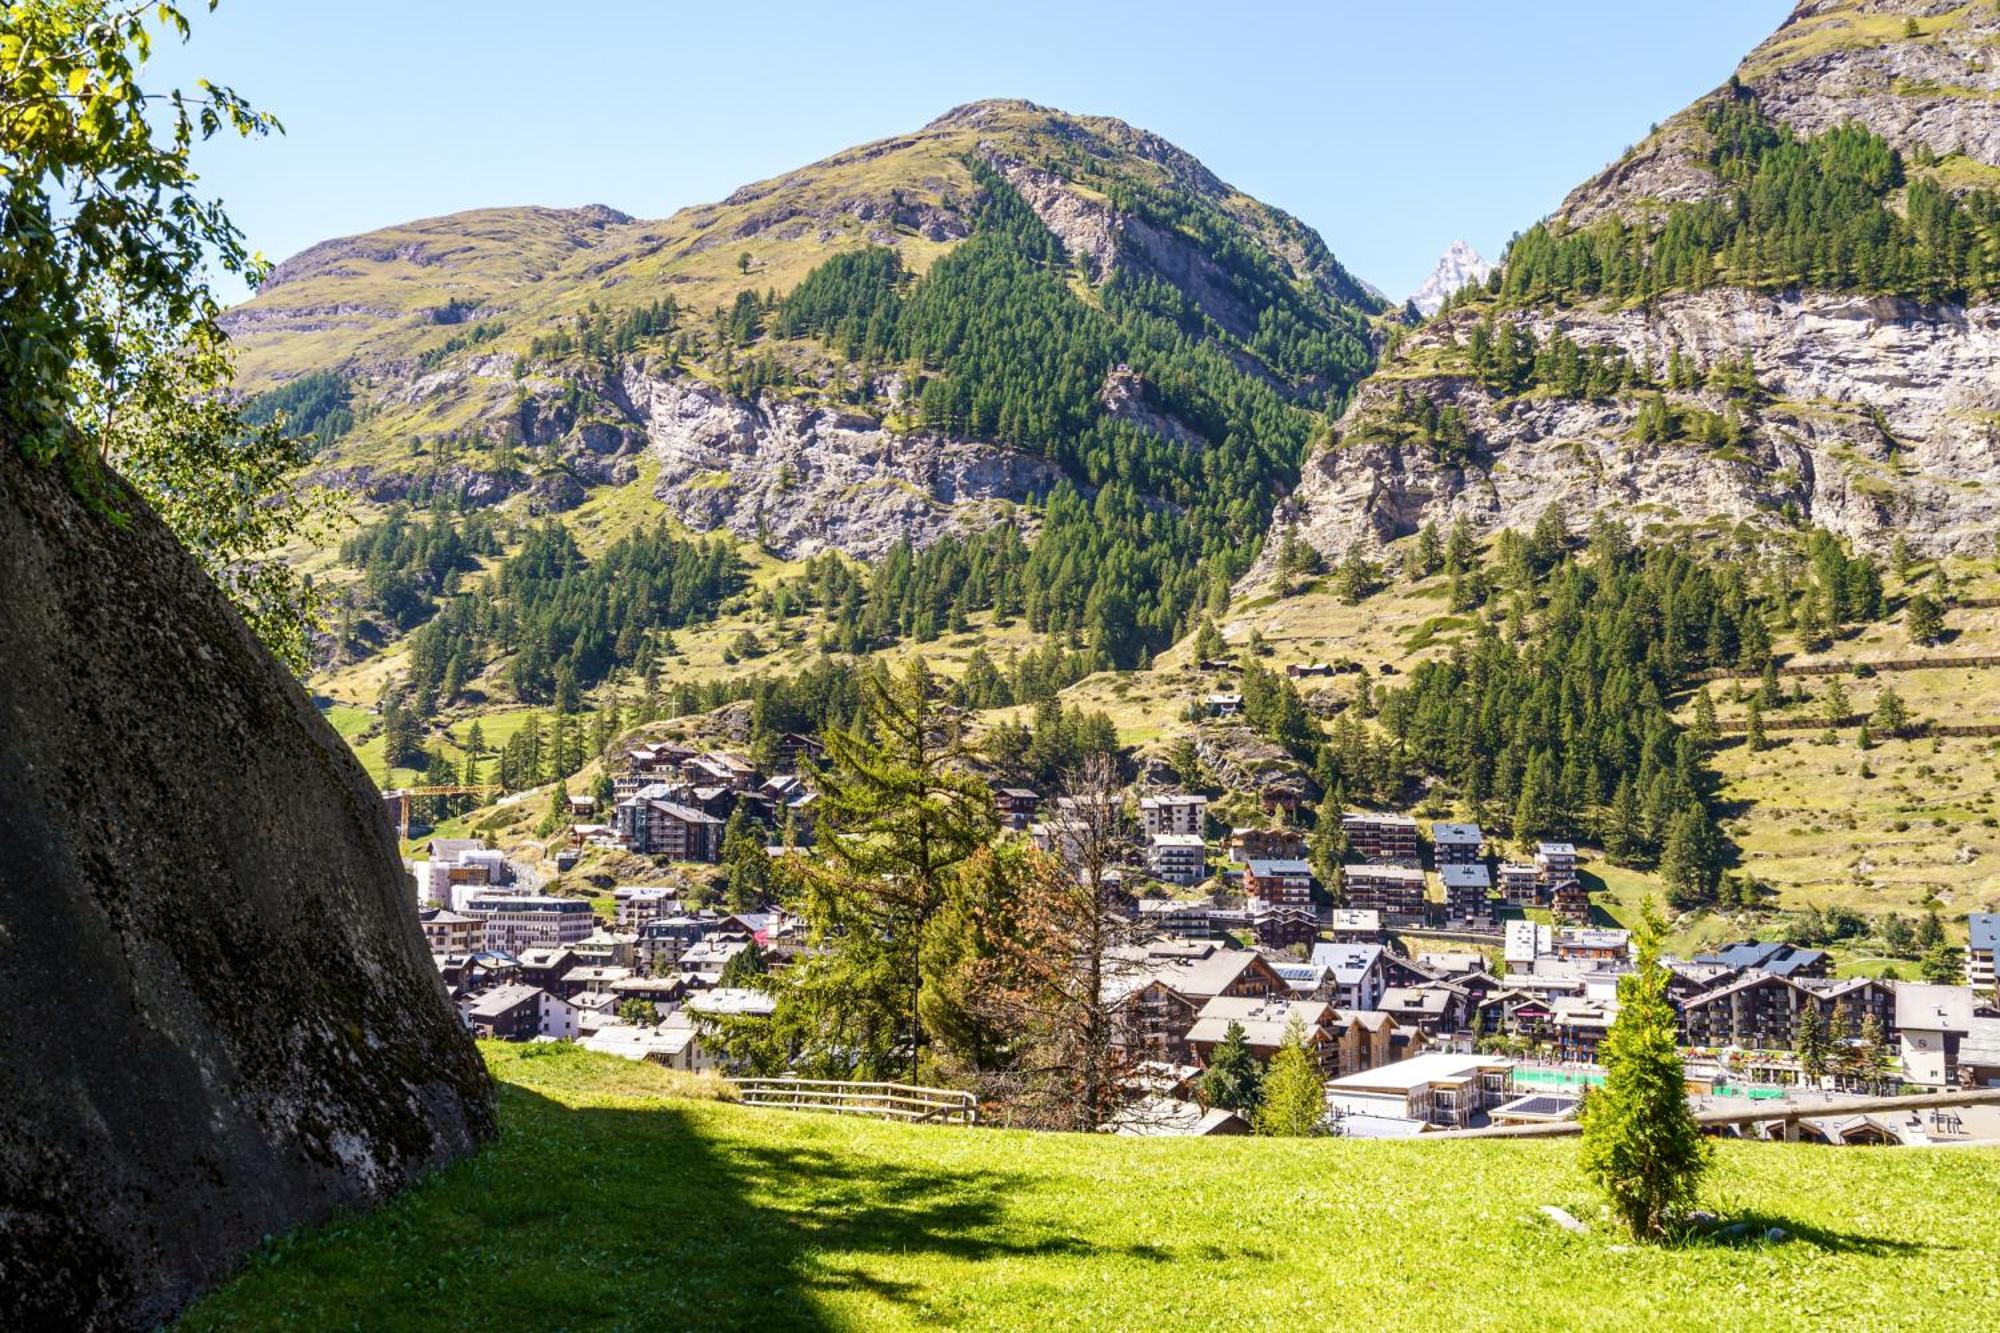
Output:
x=1032 y=366
x=1777 y=311
x=1460 y=267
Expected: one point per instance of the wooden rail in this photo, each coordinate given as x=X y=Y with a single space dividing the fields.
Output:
x=1787 y=1113
x=887 y=1101
x=1849 y=668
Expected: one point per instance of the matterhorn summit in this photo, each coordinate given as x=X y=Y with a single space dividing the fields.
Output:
x=1461 y=267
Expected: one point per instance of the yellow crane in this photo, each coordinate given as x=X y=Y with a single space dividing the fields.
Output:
x=399 y=800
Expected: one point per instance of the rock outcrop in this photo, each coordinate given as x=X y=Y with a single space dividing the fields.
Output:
x=1882 y=417
x=809 y=479
x=221 y=1021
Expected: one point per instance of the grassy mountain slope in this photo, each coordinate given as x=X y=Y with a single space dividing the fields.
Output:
x=611 y=1201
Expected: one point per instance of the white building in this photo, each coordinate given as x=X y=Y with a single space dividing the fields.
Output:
x=1178 y=812
x=1932 y=1020
x=1440 y=1088
x=1177 y=858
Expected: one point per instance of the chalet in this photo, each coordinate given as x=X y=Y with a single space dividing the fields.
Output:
x=1308 y=670
x=662 y=992
x=446 y=931
x=795 y=748
x=1398 y=970
x=1279 y=883
x=1517 y=1012
x=1223 y=705
x=672 y=1047
x=1280 y=926
x=1451 y=964
x=1396 y=891
x=549 y=969
x=596 y=977
x=1457 y=844
x=1177 y=858
x=1356 y=925
x=1017 y=806
x=1199 y=971
x=1758 y=1011
x=1063 y=836
x=653 y=825
x=713 y=768
x=665 y=938
x=1468 y=891
x=1979 y=1054
x=707 y=958
x=1305 y=981
x=1367 y=1039
x=1178 y=918
x=1587 y=945
x=1285 y=794
x=1153 y=1021
x=1982 y=942
x=1430 y=1009
x=1257 y=844
x=1779 y=960
x=1264 y=1022
x=608 y=948
x=1354 y=973
x=518 y=1013
x=1381 y=837
x=1555 y=862
x=1176 y=812
x=1571 y=902
x=1520 y=884
x=1437 y=1088
x=1579 y=1026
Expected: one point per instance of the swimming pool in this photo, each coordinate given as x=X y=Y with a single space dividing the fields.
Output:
x=1557 y=1078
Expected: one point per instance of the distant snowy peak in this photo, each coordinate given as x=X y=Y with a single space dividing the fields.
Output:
x=1461 y=267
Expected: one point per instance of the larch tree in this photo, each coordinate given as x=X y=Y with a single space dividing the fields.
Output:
x=1294 y=1103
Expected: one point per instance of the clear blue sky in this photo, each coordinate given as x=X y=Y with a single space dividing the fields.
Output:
x=1393 y=128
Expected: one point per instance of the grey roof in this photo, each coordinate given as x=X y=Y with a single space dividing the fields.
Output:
x=1465 y=877
x=1261 y=868
x=1348 y=962
x=1771 y=956
x=500 y=999
x=1457 y=835
x=1985 y=927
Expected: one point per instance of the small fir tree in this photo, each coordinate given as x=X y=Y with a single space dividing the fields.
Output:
x=1640 y=1140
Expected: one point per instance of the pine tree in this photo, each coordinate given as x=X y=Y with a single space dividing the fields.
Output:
x=1891 y=717
x=1294 y=1102
x=1326 y=848
x=1233 y=1080
x=1691 y=860
x=1753 y=726
x=1640 y=1140
x=1810 y=1042
x=1924 y=619
x=1705 y=730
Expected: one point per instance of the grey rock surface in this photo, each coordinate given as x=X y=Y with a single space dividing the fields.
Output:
x=221 y=1021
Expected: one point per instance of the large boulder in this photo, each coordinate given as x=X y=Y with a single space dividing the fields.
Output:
x=219 y=1017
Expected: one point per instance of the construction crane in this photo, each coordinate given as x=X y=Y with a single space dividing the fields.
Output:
x=399 y=800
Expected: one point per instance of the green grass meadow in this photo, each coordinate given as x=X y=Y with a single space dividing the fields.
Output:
x=615 y=1201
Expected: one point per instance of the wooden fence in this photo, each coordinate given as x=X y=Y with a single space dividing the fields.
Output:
x=1861 y=669
x=1783 y=1113
x=884 y=1101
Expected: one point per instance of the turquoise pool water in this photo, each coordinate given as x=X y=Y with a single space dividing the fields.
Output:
x=1584 y=1078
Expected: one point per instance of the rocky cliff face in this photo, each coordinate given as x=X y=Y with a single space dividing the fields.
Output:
x=808 y=479
x=1832 y=63
x=221 y=1019
x=1882 y=417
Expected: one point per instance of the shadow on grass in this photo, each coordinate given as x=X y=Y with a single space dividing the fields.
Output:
x=598 y=1217
x=1756 y=1225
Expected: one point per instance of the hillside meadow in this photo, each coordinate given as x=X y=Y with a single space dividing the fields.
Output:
x=621 y=1196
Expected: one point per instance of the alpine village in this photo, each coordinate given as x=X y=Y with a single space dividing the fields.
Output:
x=800 y=753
